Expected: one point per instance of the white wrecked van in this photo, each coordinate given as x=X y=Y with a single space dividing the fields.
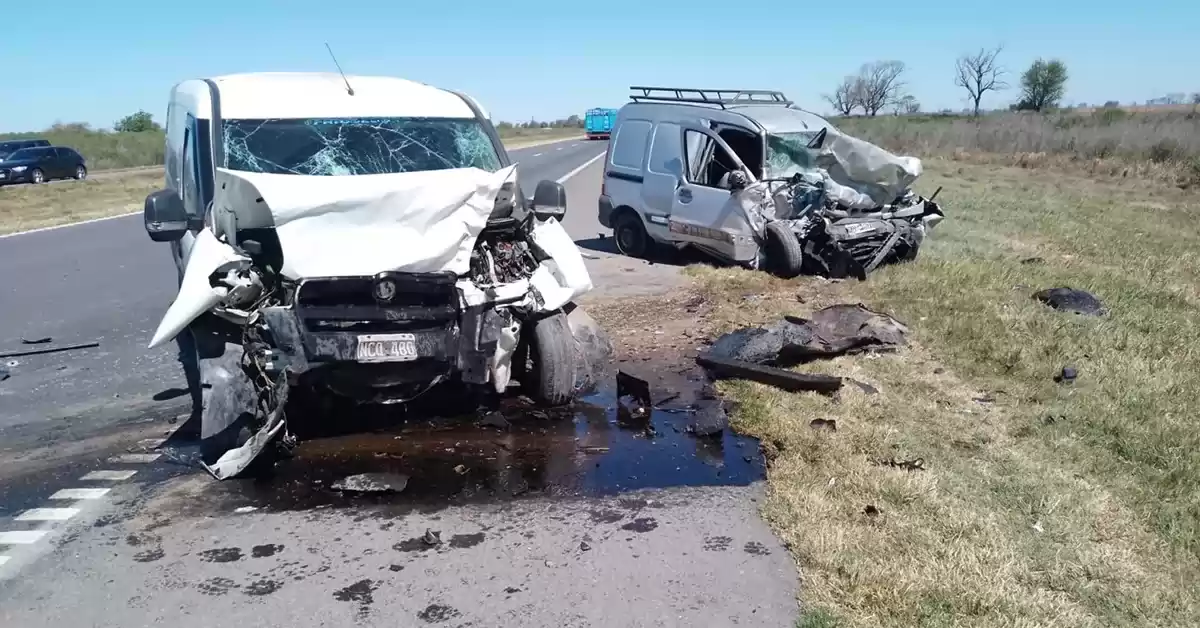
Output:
x=363 y=237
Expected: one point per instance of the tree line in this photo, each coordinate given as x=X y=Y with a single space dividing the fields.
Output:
x=880 y=85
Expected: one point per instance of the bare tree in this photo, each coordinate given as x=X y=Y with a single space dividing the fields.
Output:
x=845 y=98
x=879 y=85
x=979 y=74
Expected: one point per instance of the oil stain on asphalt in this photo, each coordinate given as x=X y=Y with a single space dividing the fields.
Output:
x=593 y=448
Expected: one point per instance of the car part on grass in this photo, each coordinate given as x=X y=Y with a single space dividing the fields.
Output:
x=297 y=285
x=790 y=381
x=1072 y=300
x=830 y=332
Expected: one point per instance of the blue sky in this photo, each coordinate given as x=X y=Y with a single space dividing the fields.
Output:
x=95 y=62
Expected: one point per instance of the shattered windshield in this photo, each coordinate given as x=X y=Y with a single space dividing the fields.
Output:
x=788 y=153
x=355 y=146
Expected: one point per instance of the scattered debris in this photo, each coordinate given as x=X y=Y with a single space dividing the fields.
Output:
x=1067 y=375
x=25 y=352
x=871 y=511
x=460 y=469
x=709 y=418
x=634 y=387
x=777 y=377
x=432 y=538
x=3 y=373
x=863 y=386
x=832 y=331
x=372 y=483
x=35 y=341
x=584 y=547
x=496 y=420
x=592 y=449
x=916 y=464
x=823 y=424
x=1072 y=300
x=1033 y=260
x=245 y=509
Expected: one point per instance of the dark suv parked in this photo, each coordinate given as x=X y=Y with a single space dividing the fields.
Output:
x=41 y=164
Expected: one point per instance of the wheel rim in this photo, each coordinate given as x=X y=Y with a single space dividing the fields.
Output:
x=37 y=176
x=80 y=172
x=628 y=239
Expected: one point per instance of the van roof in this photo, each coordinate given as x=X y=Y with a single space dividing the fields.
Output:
x=783 y=119
x=258 y=95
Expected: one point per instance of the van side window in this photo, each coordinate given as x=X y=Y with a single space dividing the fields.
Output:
x=664 y=151
x=630 y=148
x=699 y=154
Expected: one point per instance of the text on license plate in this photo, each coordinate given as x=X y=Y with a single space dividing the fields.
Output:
x=387 y=348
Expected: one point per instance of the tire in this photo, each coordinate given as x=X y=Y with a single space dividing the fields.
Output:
x=784 y=255
x=630 y=235
x=80 y=173
x=37 y=176
x=550 y=378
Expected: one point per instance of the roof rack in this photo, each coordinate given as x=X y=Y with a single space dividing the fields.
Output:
x=719 y=97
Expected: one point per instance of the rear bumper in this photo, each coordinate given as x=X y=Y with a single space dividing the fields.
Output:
x=604 y=212
x=599 y=135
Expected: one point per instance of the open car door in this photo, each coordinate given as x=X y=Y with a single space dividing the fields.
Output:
x=705 y=212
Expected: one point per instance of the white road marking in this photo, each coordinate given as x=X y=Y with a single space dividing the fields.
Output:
x=81 y=493
x=134 y=458
x=574 y=145
x=73 y=224
x=48 y=514
x=150 y=443
x=581 y=168
x=3 y=559
x=559 y=148
x=109 y=475
x=21 y=537
x=537 y=154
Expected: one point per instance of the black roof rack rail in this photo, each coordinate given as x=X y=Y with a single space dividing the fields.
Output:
x=719 y=97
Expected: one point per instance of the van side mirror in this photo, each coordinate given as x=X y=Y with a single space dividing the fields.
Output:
x=166 y=220
x=549 y=200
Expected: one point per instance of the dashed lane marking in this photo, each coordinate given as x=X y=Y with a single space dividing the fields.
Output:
x=48 y=514
x=21 y=537
x=134 y=458
x=81 y=493
x=581 y=168
x=109 y=475
x=4 y=559
x=538 y=154
x=559 y=148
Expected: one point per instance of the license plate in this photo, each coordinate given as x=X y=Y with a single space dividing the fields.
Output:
x=387 y=348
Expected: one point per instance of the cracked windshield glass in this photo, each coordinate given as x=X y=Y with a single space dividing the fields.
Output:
x=355 y=146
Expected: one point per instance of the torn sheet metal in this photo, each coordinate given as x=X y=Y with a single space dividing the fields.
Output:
x=196 y=292
x=563 y=276
x=362 y=225
x=867 y=168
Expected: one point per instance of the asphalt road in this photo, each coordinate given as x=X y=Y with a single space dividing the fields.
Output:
x=525 y=527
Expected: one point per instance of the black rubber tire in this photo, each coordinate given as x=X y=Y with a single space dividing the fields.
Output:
x=80 y=173
x=37 y=176
x=550 y=378
x=630 y=235
x=785 y=258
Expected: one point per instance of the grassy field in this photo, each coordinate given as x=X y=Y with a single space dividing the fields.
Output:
x=1162 y=146
x=1042 y=504
x=24 y=207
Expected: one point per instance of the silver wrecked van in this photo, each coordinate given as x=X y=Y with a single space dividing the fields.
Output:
x=751 y=179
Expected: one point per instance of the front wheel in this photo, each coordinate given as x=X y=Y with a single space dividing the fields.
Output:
x=549 y=378
x=785 y=258
x=80 y=173
x=37 y=176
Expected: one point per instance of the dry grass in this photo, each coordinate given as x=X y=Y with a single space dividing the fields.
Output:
x=1042 y=504
x=1164 y=146
x=24 y=207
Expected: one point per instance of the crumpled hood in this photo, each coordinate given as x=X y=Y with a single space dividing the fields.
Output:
x=365 y=224
x=338 y=226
